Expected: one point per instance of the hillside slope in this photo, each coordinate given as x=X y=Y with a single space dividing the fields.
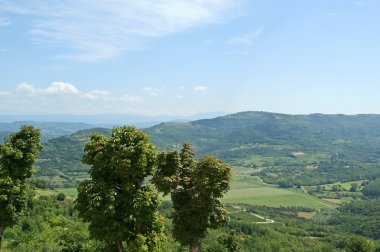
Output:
x=305 y=149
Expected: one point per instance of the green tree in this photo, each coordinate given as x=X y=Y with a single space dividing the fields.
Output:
x=196 y=187
x=359 y=244
x=114 y=201
x=354 y=187
x=230 y=241
x=17 y=156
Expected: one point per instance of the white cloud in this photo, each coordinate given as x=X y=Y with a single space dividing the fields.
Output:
x=97 y=94
x=131 y=99
x=153 y=91
x=5 y=93
x=180 y=97
x=247 y=38
x=200 y=88
x=98 y=30
x=60 y=88
x=54 y=89
x=4 y=22
x=26 y=88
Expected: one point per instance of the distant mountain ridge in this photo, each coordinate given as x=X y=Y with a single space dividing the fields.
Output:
x=110 y=120
x=49 y=130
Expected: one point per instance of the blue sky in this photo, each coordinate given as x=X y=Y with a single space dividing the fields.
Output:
x=167 y=57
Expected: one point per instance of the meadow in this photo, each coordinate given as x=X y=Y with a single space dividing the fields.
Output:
x=253 y=191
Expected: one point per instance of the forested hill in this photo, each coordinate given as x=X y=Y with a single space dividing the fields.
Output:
x=228 y=134
x=278 y=143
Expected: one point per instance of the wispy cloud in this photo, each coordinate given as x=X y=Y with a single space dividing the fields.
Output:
x=55 y=88
x=247 y=38
x=4 y=22
x=133 y=99
x=5 y=93
x=102 y=29
x=97 y=94
x=153 y=91
x=200 y=88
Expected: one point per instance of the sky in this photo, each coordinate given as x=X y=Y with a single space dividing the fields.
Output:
x=165 y=57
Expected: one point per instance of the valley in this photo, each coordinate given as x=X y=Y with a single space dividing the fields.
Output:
x=304 y=175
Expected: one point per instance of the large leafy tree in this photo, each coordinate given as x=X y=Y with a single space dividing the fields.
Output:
x=114 y=201
x=196 y=187
x=17 y=156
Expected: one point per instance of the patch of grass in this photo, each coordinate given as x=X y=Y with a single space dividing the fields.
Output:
x=273 y=197
x=244 y=217
x=45 y=192
x=306 y=215
x=70 y=191
x=246 y=182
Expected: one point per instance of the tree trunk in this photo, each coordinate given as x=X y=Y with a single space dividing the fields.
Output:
x=138 y=182
x=138 y=186
x=1 y=235
x=120 y=247
x=196 y=246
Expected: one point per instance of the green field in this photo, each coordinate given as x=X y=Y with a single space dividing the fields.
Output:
x=253 y=191
x=248 y=190
x=244 y=217
x=273 y=197
x=246 y=182
x=71 y=191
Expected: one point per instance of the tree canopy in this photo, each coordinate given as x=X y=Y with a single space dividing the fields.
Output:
x=196 y=187
x=114 y=201
x=17 y=156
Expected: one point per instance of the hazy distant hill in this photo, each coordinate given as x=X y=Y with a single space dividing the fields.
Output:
x=109 y=120
x=49 y=130
x=294 y=147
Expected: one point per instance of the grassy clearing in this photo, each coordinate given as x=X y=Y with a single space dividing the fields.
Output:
x=45 y=192
x=244 y=217
x=70 y=191
x=306 y=215
x=247 y=182
x=273 y=197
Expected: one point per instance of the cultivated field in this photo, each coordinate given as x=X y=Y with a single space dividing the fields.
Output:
x=252 y=191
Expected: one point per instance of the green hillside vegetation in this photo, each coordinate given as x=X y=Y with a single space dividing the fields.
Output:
x=372 y=190
x=288 y=150
x=61 y=159
x=315 y=206
x=52 y=224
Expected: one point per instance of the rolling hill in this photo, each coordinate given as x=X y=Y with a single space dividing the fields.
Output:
x=299 y=149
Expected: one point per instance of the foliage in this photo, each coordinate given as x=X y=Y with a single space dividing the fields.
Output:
x=359 y=244
x=17 y=156
x=230 y=241
x=297 y=150
x=114 y=201
x=359 y=217
x=50 y=225
x=372 y=190
x=196 y=187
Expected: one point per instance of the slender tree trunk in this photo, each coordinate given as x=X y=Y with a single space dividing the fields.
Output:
x=138 y=186
x=120 y=247
x=196 y=246
x=1 y=235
